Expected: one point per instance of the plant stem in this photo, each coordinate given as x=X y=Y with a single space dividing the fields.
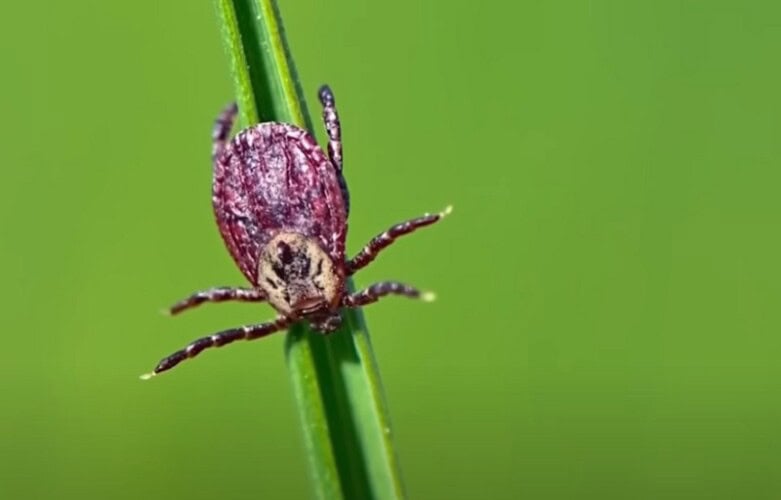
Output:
x=335 y=379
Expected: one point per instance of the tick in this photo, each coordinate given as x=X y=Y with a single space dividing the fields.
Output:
x=281 y=206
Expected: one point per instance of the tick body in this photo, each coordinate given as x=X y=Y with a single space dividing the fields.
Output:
x=281 y=206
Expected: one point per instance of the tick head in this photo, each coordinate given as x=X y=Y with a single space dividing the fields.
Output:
x=298 y=276
x=327 y=324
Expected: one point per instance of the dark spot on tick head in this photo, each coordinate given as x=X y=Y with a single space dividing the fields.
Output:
x=272 y=284
x=285 y=253
x=279 y=271
x=306 y=264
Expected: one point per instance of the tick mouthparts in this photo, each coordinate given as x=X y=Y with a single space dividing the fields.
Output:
x=309 y=304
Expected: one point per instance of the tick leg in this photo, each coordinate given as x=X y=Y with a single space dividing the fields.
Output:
x=381 y=289
x=222 y=129
x=334 y=129
x=219 y=294
x=373 y=248
x=332 y=126
x=249 y=332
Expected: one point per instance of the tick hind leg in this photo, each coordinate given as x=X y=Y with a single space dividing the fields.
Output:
x=222 y=129
x=381 y=289
x=373 y=248
x=334 y=130
x=250 y=332
x=332 y=125
x=218 y=294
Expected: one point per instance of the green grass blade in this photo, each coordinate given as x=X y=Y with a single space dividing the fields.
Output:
x=335 y=379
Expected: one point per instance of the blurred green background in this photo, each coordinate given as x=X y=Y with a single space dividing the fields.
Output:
x=608 y=317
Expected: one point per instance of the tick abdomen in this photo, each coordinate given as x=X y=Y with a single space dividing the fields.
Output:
x=277 y=175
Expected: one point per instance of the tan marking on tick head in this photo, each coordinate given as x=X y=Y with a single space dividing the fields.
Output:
x=298 y=276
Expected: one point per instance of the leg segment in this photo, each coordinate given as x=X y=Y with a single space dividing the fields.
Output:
x=381 y=289
x=249 y=332
x=219 y=294
x=332 y=126
x=370 y=251
x=334 y=129
x=222 y=129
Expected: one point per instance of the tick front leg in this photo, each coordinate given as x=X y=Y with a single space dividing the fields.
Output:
x=381 y=289
x=222 y=129
x=250 y=332
x=370 y=251
x=218 y=294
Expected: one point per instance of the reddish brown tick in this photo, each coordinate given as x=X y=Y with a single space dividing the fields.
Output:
x=281 y=205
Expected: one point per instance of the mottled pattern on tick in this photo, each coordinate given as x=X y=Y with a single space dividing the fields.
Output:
x=274 y=177
x=281 y=207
